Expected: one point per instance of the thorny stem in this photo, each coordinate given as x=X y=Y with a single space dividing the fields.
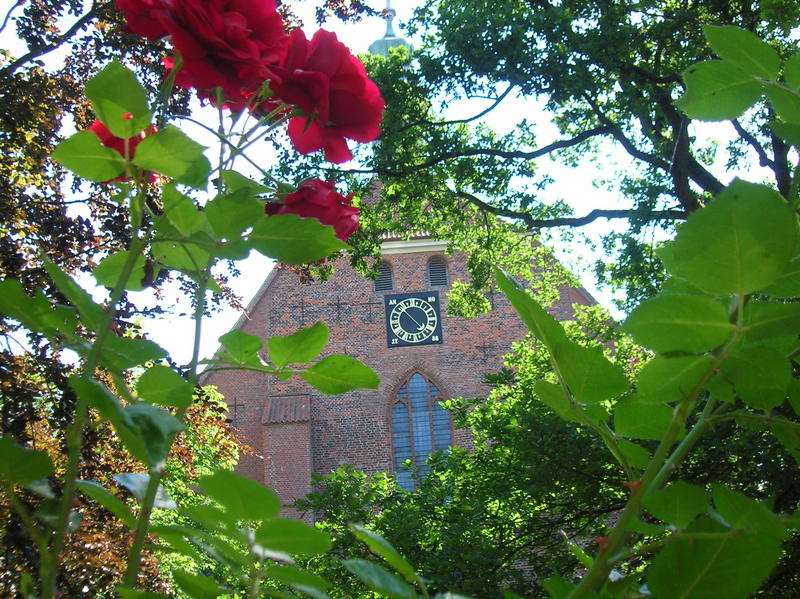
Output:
x=48 y=569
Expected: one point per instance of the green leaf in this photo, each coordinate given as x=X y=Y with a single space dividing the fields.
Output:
x=744 y=49
x=230 y=215
x=299 y=347
x=197 y=586
x=588 y=374
x=739 y=511
x=339 y=374
x=789 y=132
x=163 y=386
x=294 y=240
x=764 y=320
x=85 y=156
x=111 y=502
x=637 y=456
x=235 y=182
x=739 y=243
x=242 y=497
x=641 y=421
x=129 y=593
x=181 y=212
x=120 y=353
x=296 y=577
x=292 y=536
x=791 y=71
x=555 y=398
x=107 y=273
x=677 y=504
x=788 y=433
x=717 y=91
x=787 y=285
x=731 y=566
x=785 y=102
x=92 y=313
x=664 y=380
x=543 y=326
x=20 y=465
x=760 y=375
x=384 y=548
x=172 y=153
x=36 y=313
x=97 y=396
x=157 y=428
x=136 y=483
x=115 y=93
x=186 y=256
x=241 y=347
x=380 y=579
x=689 y=323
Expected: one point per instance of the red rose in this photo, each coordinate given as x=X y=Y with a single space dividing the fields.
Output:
x=232 y=44
x=324 y=80
x=125 y=147
x=318 y=199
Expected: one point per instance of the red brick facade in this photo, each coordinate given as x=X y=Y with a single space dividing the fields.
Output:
x=296 y=430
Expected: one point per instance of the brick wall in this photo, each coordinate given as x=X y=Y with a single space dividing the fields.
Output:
x=354 y=428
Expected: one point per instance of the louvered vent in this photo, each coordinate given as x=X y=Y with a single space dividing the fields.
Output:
x=384 y=280
x=437 y=272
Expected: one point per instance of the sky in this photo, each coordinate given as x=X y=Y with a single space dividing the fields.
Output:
x=175 y=333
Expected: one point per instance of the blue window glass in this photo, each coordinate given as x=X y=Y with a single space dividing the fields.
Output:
x=420 y=425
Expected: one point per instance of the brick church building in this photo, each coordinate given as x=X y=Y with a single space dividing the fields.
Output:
x=399 y=326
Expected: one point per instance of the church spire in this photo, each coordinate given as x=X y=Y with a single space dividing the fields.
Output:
x=390 y=38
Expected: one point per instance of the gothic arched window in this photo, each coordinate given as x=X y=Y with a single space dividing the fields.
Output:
x=420 y=426
x=384 y=280
x=437 y=271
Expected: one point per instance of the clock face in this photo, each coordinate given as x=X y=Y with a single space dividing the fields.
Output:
x=413 y=319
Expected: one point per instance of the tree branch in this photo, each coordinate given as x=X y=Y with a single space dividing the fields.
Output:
x=497 y=101
x=763 y=159
x=7 y=18
x=42 y=50
x=532 y=223
x=510 y=154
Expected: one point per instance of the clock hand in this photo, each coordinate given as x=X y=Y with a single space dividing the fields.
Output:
x=416 y=322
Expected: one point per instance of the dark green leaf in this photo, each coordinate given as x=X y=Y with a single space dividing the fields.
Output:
x=107 y=273
x=760 y=376
x=677 y=504
x=739 y=511
x=641 y=421
x=157 y=428
x=20 y=465
x=690 y=323
x=187 y=255
x=163 y=386
x=296 y=577
x=340 y=374
x=380 y=579
x=791 y=71
x=35 y=312
x=588 y=374
x=785 y=102
x=129 y=593
x=731 y=566
x=789 y=132
x=197 y=586
x=172 y=153
x=182 y=213
x=744 y=49
x=120 y=353
x=235 y=182
x=717 y=91
x=136 y=483
x=543 y=326
x=664 y=380
x=292 y=536
x=637 y=456
x=384 y=548
x=763 y=320
x=85 y=156
x=294 y=240
x=242 y=497
x=116 y=94
x=91 y=313
x=739 y=243
x=109 y=501
x=299 y=347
